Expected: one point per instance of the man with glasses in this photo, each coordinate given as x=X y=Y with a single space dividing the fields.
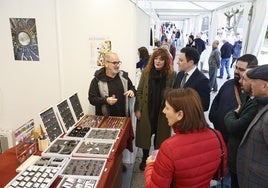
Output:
x=229 y=98
x=111 y=88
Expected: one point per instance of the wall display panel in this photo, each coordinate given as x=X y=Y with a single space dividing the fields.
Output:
x=76 y=106
x=50 y=124
x=65 y=115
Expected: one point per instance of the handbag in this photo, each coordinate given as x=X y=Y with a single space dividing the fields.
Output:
x=219 y=174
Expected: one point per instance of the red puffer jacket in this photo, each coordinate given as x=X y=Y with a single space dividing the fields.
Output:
x=190 y=160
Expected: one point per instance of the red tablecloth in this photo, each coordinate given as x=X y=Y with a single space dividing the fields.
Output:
x=112 y=177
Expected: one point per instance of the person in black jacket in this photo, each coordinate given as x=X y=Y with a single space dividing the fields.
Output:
x=237 y=122
x=200 y=44
x=226 y=52
x=111 y=88
x=226 y=99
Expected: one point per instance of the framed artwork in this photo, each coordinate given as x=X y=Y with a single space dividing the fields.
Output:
x=24 y=39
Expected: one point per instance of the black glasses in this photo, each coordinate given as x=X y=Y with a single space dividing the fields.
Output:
x=115 y=62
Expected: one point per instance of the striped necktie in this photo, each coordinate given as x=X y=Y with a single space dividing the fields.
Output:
x=183 y=79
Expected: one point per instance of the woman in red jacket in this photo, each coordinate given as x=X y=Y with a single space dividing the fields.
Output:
x=192 y=155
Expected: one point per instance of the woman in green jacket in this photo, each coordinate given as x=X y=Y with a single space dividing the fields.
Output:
x=156 y=77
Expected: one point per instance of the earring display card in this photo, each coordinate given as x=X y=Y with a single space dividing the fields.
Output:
x=103 y=134
x=78 y=182
x=50 y=123
x=25 y=144
x=93 y=148
x=84 y=125
x=65 y=115
x=89 y=167
x=51 y=161
x=114 y=122
x=76 y=106
x=63 y=147
x=34 y=176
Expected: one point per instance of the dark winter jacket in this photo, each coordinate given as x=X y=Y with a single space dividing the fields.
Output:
x=103 y=86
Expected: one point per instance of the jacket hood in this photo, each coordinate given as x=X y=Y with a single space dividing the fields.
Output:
x=101 y=75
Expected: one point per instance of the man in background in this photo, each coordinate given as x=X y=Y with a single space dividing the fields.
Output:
x=226 y=52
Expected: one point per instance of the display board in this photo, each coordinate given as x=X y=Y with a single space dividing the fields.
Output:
x=25 y=144
x=50 y=124
x=65 y=115
x=76 y=106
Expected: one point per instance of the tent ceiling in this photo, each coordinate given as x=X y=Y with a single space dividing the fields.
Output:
x=176 y=10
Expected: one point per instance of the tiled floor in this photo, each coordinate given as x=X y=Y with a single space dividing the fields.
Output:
x=133 y=178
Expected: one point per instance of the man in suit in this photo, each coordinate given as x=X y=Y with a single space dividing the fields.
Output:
x=252 y=152
x=190 y=76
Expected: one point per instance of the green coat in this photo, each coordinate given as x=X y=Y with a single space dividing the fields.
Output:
x=143 y=128
x=237 y=124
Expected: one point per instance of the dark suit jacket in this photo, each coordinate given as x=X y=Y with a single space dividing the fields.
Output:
x=200 y=83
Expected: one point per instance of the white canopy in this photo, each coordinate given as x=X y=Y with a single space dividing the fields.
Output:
x=255 y=17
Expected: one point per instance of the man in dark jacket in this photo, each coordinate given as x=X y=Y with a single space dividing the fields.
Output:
x=226 y=52
x=230 y=95
x=200 y=44
x=190 y=76
x=237 y=122
x=110 y=88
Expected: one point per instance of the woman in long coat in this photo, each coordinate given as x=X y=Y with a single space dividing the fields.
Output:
x=156 y=77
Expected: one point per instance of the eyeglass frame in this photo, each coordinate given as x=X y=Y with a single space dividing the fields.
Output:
x=115 y=62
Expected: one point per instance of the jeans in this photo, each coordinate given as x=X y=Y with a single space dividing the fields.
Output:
x=225 y=62
x=226 y=181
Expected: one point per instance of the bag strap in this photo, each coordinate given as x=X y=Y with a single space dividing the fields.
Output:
x=222 y=157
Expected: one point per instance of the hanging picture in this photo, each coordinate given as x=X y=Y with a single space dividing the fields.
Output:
x=99 y=46
x=24 y=39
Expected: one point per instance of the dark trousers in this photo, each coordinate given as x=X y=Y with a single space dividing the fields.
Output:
x=212 y=72
x=234 y=180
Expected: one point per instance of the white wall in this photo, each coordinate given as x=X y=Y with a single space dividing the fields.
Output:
x=63 y=31
x=28 y=87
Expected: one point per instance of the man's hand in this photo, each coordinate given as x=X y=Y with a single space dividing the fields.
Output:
x=129 y=93
x=111 y=100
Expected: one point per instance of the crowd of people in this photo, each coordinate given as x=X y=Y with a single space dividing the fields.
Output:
x=170 y=105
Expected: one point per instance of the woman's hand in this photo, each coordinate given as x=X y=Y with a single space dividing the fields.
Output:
x=150 y=159
x=138 y=114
